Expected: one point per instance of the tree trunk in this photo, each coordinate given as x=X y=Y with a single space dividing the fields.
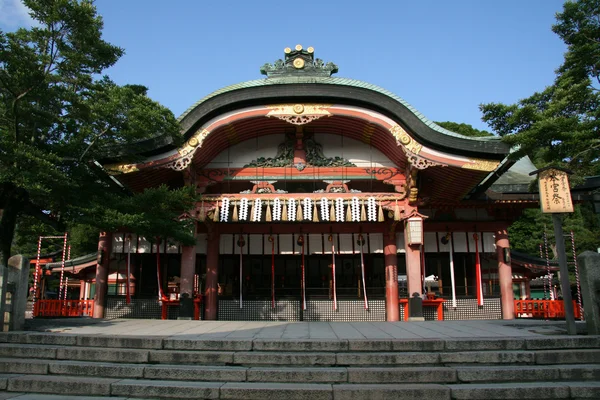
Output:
x=12 y=201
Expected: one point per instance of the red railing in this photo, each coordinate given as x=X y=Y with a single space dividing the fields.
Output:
x=63 y=308
x=167 y=303
x=543 y=309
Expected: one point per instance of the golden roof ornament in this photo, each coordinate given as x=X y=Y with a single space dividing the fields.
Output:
x=299 y=62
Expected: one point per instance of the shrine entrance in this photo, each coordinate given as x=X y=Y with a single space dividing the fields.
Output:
x=257 y=279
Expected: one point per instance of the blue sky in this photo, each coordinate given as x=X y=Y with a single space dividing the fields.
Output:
x=443 y=57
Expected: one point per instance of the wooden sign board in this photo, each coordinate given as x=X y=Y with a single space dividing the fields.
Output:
x=555 y=193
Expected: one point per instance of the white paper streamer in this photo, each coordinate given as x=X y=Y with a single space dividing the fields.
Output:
x=224 y=210
x=324 y=210
x=277 y=209
x=355 y=210
x=243 y=209
x=371 y=209
x=307 y=209
x=257 y=210
x=291 y=209
x=339 y=210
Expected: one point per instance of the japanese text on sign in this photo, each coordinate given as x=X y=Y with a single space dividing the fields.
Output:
x=555 y=193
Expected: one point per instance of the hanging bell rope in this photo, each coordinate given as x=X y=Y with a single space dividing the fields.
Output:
x=361 y=243
x=127 y=291
x=161 y=295
x=241 y=242
x=330 y=238
x=303 y=279
x=272 y=240
x=478 y=271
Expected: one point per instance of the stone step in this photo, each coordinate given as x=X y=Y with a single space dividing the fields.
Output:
x=303 y=374
x=195 y=342
x=273 y=358
x=81 y=387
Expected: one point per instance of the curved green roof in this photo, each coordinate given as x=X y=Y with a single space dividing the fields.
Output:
x=287 y=80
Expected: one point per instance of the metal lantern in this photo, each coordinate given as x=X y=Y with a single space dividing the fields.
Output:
x=241 y=241
x=361 y=240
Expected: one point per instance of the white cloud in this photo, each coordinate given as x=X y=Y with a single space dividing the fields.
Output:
x=13 y=15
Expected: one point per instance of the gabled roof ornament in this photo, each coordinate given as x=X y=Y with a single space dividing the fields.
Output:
x=299 y=62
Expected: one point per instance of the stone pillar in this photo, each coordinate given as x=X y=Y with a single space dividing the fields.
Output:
x=104 y=250
x=17 y=277
x=413 y=268
x=186 y=286
x=589 y=270
x=505 y=275
x=212 y=276
x=391 y=277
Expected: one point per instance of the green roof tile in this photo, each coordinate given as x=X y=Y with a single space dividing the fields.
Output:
x=330 y=81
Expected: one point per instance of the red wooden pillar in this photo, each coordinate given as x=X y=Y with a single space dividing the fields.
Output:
x=391 y=277
x=505 y=275
x=104 y=250
x=212 y=276
x=81 y=289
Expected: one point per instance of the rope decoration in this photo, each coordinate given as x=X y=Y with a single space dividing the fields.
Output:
x=291 y=210
x=545 y=288
x=324 y=210
x=67 y=278
x=244 y=209
x=579 y=303
x=277 y=209
x=224 y=210
x=307 y=209
x=62 y=268
x=339 y=210
x=355 y=210
x=371 y=209
x=37 y=271
x=257 y=210
x=549 y=275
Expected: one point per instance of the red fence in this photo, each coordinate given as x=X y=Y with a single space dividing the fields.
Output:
x=64 y=308
x=543 y=309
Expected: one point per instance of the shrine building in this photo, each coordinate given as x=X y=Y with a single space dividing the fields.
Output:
x=322 y=199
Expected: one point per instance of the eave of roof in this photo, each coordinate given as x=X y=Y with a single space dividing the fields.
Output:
x=330 y=81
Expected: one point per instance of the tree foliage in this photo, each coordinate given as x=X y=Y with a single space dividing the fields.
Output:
x=57 y=114
x=464 y=129
x=560 y=124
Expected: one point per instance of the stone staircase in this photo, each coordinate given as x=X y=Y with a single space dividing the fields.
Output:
x=36 y=365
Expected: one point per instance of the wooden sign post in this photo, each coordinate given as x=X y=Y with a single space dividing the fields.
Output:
x=555 y=198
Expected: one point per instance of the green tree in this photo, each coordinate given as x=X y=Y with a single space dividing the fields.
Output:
x=560 y=124
x=57 y=116
x=464 y=129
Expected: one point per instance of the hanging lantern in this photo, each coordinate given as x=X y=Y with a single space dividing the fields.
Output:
x=300 y=240
x=361 y=240
x=241 y=241
x=446 y=238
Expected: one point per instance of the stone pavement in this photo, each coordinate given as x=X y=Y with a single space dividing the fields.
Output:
x=469 y=329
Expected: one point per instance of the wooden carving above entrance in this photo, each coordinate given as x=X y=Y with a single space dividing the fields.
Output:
x=314 y=156
x=352 y=121
x=299 y=114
